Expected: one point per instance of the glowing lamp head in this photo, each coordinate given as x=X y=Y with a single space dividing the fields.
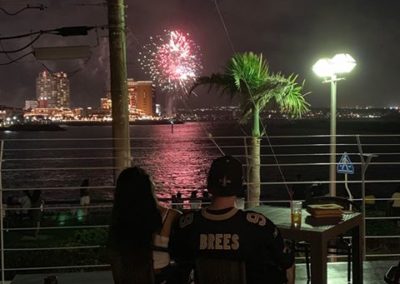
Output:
x=339 y=64
x=323 y=68
x=343 y=63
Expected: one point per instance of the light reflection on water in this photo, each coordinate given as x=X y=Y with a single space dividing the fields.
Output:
x=177 y=161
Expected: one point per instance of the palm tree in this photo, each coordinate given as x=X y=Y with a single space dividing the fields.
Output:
x=247 y=75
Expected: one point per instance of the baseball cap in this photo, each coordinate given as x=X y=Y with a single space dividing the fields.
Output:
x=225 y=177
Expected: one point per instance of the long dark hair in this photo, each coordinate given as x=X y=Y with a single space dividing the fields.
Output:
x=135 y=216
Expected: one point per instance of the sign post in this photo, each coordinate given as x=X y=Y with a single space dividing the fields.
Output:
x=345 y=166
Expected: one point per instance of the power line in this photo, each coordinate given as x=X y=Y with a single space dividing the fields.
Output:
x=253 y=101
x=16 y=59
x=3 y=49
x=21 y=48
x=70 y=73
x=224 y=26
x=41 y=7
x=21 y=36
x=63 y=31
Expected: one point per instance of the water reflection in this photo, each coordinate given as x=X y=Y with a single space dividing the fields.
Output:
x=178 y=161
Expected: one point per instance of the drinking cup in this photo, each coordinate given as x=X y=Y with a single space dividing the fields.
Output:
x=296 y=213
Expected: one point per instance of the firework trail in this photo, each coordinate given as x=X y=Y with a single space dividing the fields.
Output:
x=172 y=61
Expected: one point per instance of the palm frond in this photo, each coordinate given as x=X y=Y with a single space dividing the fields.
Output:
x=248 y=70
x=219 y=82
x=288 y=95
x=247 y=75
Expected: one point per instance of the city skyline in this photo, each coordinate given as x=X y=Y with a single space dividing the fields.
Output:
x=292 y=35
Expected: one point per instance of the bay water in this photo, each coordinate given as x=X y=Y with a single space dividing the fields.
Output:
x=178 y=156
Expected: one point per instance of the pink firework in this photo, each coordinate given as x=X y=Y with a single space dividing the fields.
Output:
x=171 y=60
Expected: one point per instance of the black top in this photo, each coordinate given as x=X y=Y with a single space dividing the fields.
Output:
x=233 y=234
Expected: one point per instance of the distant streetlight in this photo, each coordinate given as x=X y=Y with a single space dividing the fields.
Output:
x=330 y=68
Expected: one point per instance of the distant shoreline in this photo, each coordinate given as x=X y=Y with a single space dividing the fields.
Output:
x=109 y=123
x=180 y=121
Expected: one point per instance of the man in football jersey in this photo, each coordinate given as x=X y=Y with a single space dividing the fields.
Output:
x=223 y=231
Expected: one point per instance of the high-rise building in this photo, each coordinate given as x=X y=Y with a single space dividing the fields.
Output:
x=61 y=90
x=52 y=90
x=131 y=96
x=44 y=89
x=141 y=96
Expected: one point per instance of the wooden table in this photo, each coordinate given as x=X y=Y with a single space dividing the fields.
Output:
x=318 y=237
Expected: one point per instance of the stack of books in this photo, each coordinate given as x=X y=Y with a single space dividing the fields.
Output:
x=325 y=210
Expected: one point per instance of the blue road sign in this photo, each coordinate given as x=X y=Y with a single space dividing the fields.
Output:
x=345 y=166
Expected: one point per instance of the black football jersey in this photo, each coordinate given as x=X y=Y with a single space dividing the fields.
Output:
x=234 y=234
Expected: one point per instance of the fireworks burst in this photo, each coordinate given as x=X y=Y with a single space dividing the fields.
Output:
x=172 y=60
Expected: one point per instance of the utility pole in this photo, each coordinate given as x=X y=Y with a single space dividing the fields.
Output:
x=119 y=89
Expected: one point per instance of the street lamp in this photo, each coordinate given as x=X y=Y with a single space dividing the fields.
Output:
x=330 y=68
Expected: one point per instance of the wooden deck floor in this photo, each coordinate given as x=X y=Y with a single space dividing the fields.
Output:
x=337 y=274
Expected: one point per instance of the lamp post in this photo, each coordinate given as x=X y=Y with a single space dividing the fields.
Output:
x=330 y=69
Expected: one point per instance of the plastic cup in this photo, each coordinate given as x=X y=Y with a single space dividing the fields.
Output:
x=296 y=208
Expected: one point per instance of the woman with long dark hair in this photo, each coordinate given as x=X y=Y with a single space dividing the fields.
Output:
x=139 y=231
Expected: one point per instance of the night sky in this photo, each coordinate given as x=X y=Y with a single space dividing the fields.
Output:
x=291 y=34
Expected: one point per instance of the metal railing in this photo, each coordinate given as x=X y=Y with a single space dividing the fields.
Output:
x=73 y=237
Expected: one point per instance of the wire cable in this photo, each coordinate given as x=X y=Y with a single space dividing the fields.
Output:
x=21 y=48
x=252 y=100
x=69 y=73
x=40 y=7
x=203 y=127
x=16 y=59
x=3 y=49
x=224 y=26
x=21 y=36
x=63 y=31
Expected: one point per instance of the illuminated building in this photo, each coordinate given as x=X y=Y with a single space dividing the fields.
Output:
x=30 y=104
x=141 y=96
x=61 y=90
x=132 y=96
x=44 y=89
x=105 y=103
x=52 y=90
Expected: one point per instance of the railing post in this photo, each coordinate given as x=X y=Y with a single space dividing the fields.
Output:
x=1 y=210
x=362 y=191
x=247 y=170
x=332 y=147
x=364 y=166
